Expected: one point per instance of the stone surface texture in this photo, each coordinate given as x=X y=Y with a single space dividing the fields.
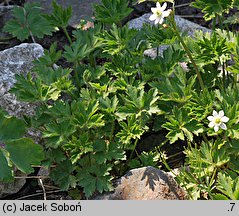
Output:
x=12 y=187
x=183 y=25
x=16 y=60
x=147 y=183
x=82 y=9
x=5 y=15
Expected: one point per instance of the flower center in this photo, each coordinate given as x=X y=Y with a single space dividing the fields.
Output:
x=159 y=13
x=217 y=120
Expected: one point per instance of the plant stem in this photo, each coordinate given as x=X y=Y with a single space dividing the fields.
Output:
x=189 y=54
x=33 y=39
x=67 y=35
x=135 y=144
x=223 y=76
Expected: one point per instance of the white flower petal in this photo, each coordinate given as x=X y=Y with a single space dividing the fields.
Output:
x=211 y=124
x=158 y=5
x=164 y=6
x=166 y=13
x=154 y=10
x=216 y=128
x=214 y=113
x=223 y=126
x=224 y=119
x=161 y=20
x=210 y=118
x=153 y=17
x=221 y=113
x=156 y=21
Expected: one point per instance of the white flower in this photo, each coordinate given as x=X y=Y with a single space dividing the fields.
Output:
x=159 y=13
x=218 y=120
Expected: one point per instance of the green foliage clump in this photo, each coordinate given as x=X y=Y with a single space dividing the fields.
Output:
x=94 y=114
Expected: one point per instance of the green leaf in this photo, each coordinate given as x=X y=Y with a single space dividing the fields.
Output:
x=28 y=21
x=6 y=173
x=112 y=11
x=11 y=128
x=219 y=196
x=63 y=176
x=162 y=65
x=94 y=177
x=116 y=41
x=228 y=186
x=57 y=134
x=177 y=88
x=60 y=17
x=181 y=125
x=138 y=102
x=86 y=115
x=212 y=8
x=29 y=90
x=130 y=130
x=24 y=153
x=49 y=58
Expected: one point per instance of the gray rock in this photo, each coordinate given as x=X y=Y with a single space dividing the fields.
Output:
x=183 y=25
x=12 y=187
x=147 y=183
x=82 y=9
x=5 y=15
x=16 y=60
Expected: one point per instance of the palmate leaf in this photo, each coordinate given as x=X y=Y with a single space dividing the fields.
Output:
x=77 y=51
x=112 y=11
x=108 y=151
x=138 y=102
x=228 y=186
x=116 y=40
x=157 y=35
x=212 y=8
x=27 y=21
x=161 y=65
x=94 y=177
x=29 y=90
x=49 y=58
x=86 y=116
x=180 y=125
x=60 y=17
x=23 y=153
x=63 y=176
x=131 y=129
x=177 y=88
x=56 y=133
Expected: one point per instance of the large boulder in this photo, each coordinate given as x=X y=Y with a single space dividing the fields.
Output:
x=147 y=183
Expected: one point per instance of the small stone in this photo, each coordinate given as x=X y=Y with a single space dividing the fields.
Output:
x=147 y=183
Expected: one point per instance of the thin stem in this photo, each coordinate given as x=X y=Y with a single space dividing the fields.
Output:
x=189 y=55
x=67 y=35
x=204 y=137
x=32 y=37
x=135 y=144
x=223 y=76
